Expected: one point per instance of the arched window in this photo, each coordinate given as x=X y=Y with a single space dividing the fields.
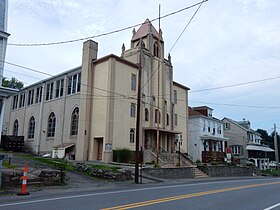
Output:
x=146 y=115
x=132 y=109
x=156 y=50
x=75 y=121
x=157 y=116
x=167 y=119
x=131 y=136
x=31 y=128
x=15 y=129
x=51 y=125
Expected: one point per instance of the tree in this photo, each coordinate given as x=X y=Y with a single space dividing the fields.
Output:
x=12 y=83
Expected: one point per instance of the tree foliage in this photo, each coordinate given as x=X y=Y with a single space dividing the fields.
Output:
x=12 y=83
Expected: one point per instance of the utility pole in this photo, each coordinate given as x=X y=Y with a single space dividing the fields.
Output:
x=158 y=113
x=276 y=148
x=138 y=117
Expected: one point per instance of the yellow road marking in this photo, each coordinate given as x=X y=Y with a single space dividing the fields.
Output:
x=179 y=197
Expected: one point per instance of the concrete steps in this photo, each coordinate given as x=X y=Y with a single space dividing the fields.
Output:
x=198 y=174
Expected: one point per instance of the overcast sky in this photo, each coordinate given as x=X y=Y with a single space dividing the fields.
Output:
x=228 y=42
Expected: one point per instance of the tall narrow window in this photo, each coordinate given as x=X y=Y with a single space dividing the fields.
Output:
x=31 y=128
x=49 y=93
x=30 y=97
x=51 y=125
x=146 y=115
x=175 y=96
x=59 y=88
x=74 y=84
x=156 y=50
x=75 y=121
x=157 y=116
x=79 y=83
x=15 y=128
x=133 y=82
x=131 y=136
x=38 y=97
x=167 y=119
x=132 y=109
x=15 y=102
x=69 y=84
x=22 y=100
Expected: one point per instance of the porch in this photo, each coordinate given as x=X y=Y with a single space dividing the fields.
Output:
x=213 y=149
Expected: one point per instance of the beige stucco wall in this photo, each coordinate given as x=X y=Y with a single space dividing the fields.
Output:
x=62 y=108
x=181 y=109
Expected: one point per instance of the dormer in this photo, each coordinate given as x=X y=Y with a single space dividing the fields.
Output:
x=204 y=110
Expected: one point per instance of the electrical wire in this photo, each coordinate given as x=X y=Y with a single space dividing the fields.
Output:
x=103 y=34
x=185 y=27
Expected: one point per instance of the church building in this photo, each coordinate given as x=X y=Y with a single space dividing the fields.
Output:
x=89 y=111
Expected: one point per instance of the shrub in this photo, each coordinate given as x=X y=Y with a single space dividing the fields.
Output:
x=123 y=155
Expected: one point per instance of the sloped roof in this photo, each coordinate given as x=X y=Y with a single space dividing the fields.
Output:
x=64 y=146
x=240 y=126
x=145 y=29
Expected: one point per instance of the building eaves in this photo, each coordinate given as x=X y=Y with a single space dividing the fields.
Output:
x=107 y=57
x=180 y=85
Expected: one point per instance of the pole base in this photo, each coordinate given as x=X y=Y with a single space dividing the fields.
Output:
x=23 y=193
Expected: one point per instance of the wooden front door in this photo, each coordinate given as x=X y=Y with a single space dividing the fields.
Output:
x=99 y=148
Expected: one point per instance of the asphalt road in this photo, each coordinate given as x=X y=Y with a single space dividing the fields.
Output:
x=255 y=194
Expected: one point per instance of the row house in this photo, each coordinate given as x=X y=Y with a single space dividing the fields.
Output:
x=206 y=138
x=245 y=143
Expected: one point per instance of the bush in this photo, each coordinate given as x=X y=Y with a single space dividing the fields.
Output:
x=123 y=155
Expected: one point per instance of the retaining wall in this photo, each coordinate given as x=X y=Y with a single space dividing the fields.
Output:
x=170 y=173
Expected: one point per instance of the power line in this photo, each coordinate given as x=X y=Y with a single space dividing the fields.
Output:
x=175 y=41
x=235 y=85
x=238 y=105
x=186 y=27
x=23 y=67
x=103 y=34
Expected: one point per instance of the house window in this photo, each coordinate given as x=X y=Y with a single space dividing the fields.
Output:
x=204 y=125
x=15 y=128
x=214 y=128
x=51 y=125
x=74 y=83
x=22 y=100
x=227 y=126
x=219 y=130
x=167 y=119
x=132 y=109
x=175 y=119
x=38 y=97
x=49 y=93
x=156 y=50
x=15 y=102
x=31 y=128
x=30 y=97
x=209 y=127
x=157 y=116
x=59 y=88
x=131 y=136
x=133 y=82
x=146 y=115
x=236 y=150
x=75 y=121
